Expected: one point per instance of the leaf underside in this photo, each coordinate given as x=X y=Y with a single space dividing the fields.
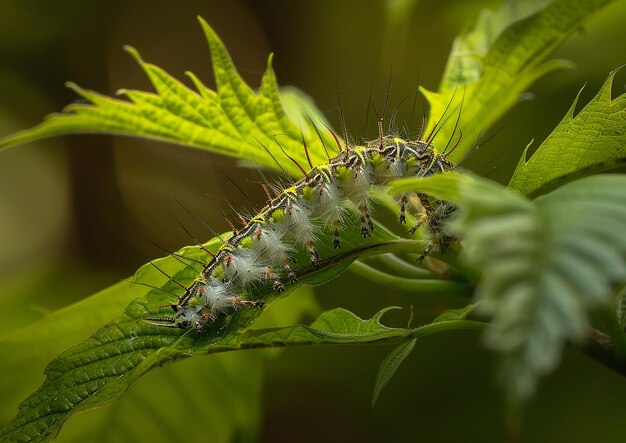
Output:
x=545 y=263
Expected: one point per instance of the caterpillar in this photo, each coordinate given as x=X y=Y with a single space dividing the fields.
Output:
x=295 y=216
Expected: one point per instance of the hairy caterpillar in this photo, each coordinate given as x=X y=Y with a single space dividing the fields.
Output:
x=294 y=217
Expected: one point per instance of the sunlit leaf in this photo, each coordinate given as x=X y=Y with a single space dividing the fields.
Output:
x=233 y=121
x=493 y=64
x=593 y=139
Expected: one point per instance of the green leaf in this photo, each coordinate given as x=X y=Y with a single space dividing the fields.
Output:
x=545 y=264
x=233 y=121
x=464 y=64
x=340 y=326
x=455 y=314
x=337 y=326
x=447 y=185
x=114 y=357
x=497 y=61
x=26 y=351
x=297 y=104
x=390 y=365
x=593 y=139
x=213 y=399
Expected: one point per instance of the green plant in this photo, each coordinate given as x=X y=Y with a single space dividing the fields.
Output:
x=536 y=267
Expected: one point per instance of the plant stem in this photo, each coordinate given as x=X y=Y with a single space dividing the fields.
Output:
x=470 y=273
x=430 y=286
x=604 y=356
x=419 y=332
x=450 y=325
x=615 y=331
x=404 y=268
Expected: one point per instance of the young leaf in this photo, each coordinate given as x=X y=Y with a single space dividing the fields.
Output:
x=392 y=362
x=464 y=64
x=545 y=263
x=390 y=365
x=593 y=139
x=233 y=121
x=490 y=77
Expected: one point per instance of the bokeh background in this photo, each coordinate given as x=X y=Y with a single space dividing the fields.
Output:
x=79 y=213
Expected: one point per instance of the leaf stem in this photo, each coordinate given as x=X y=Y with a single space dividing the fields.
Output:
x=429 y=286
x=449 y=325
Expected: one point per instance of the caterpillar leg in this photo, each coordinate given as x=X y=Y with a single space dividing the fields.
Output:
x=277 y=283
x=336 y=238
x=290 y=274
x=425 y=252
x=315 y=258
x=423 y=219
x=369 y=221
x=366 y=222
x=403 y=202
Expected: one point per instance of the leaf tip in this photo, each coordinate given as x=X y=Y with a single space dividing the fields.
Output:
x=383 y=311
x=524 y=158
x=269 y=77
x=608 y=84
x=209 y=32
x=73 y=86
x=203 y=22
x=77 y=89
x=572 y=109
x=133 y=53
x=374 y=400
x=615 y=71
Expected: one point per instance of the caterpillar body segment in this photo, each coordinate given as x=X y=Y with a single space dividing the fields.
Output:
x=333 y=197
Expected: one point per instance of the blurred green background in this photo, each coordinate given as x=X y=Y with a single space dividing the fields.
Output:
x=78 y=214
